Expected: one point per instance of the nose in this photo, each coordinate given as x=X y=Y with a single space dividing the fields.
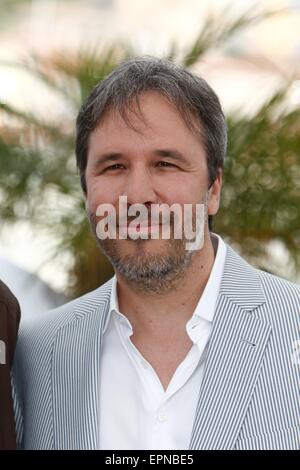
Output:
x=139 y=187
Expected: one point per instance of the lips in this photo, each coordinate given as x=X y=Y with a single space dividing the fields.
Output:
x=137 y=226
x=140 y=229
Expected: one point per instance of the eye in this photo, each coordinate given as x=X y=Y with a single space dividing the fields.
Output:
x=116 y=166
x=166 y=165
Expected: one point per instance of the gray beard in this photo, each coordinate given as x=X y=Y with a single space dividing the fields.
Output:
x=151 y=273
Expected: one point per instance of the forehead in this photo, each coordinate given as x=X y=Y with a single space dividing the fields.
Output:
x=153 y=117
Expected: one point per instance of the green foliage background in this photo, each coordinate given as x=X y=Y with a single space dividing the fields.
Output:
x=39 y=181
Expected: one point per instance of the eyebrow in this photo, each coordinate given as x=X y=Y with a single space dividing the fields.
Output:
x=167 y=153
x=170 y=153
x=108 y=157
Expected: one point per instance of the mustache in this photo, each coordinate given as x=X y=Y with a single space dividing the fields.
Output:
x=121 y=221
x=146 y=222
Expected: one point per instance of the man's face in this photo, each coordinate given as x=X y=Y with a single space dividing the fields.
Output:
x=162 y=163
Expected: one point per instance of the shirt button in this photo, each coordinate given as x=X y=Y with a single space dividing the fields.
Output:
x=162 y=416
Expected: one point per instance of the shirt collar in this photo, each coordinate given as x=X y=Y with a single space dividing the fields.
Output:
x=114 y=304
x=207 y=302
x=206 y=306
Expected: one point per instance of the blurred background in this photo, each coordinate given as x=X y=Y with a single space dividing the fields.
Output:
x=53 y=52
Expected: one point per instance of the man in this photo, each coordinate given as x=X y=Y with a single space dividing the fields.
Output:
x=9 y=323
x=183 y=348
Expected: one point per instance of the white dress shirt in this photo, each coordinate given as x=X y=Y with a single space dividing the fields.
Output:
x=135 y=410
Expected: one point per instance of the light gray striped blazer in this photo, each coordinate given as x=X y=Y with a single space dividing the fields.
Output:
x=249 y=397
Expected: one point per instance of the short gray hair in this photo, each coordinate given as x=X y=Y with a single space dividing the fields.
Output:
x=194 y=99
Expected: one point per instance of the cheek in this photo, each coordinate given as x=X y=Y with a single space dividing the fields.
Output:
x=100 y=193
x=184 y=191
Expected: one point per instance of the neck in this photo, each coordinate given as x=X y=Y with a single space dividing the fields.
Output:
x=153 y=315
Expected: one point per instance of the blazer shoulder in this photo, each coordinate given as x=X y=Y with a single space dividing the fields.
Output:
x=281 y=295
x=46 y=325
x=278 y=285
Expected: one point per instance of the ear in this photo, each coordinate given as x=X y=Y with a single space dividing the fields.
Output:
x=214 y=194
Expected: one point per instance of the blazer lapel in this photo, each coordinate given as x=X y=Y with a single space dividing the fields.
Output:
x=236 y=349
x=76 y=373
